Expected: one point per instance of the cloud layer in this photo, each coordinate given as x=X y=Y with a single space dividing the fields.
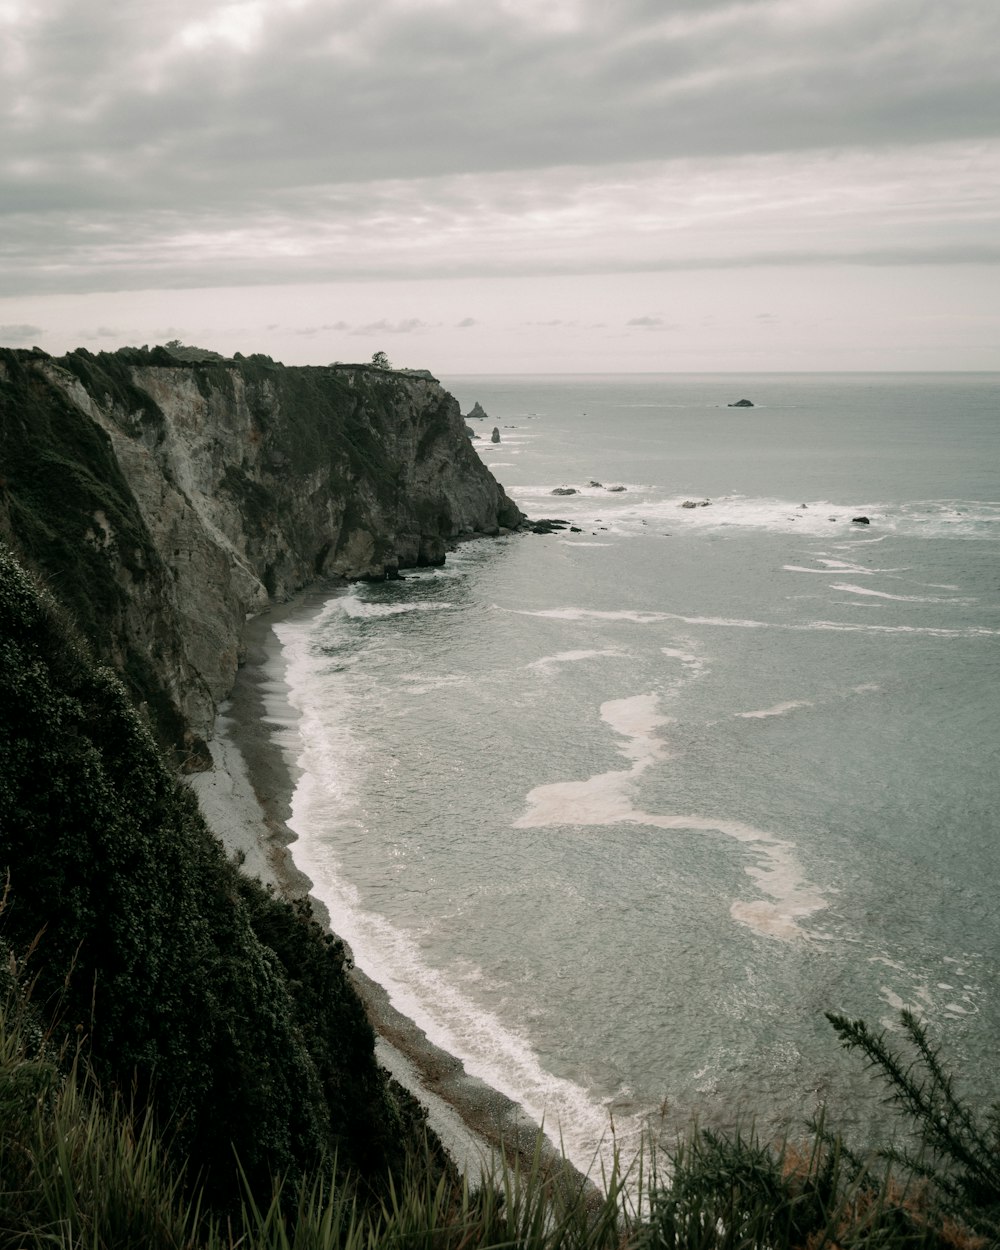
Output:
x=148 y=145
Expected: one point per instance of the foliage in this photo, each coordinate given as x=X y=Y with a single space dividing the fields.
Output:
x=381 y=361
x=957 y=1152
x=148 y=950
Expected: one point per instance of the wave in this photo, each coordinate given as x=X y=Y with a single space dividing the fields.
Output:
x=352 y=606
x=632 y=511
x=779 y=709
x=850 y=627
x=571 y=657
x=448 y=1015
x=882 y=594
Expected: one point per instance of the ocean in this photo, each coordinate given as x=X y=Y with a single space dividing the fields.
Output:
x=616 y=814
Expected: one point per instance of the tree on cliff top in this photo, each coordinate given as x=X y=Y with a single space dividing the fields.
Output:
x=381 y=361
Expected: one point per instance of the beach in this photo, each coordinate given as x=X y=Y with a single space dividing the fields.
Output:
x=246 y=801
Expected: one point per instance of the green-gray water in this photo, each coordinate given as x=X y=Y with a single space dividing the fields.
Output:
x=616 y=815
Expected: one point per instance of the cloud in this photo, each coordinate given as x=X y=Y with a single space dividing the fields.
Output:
x=210 y=142
x=648 y=322
x=936 y=205
x=409 y=325
x=17 y=334
x=466 y=323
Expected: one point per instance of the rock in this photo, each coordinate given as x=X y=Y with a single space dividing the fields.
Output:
x=595 y=484
x=741 y=403
x=565 y=490
x=860 y=520
x=545 y=525
x=615 y=490
x=213 y=490
x=495 y=436
x=471 y=432
x=477 y=413
x=696 y=503
x=575 y=529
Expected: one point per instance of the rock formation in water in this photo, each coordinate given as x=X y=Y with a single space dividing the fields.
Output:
x=163 y=500
x=741 y=403
x=476 y=413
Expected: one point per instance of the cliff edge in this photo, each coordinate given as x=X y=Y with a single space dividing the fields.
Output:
x=164 y=501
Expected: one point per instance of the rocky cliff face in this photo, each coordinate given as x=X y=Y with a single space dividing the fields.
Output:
x=164 y=501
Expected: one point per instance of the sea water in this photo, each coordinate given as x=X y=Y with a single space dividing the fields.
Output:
x=617 y=814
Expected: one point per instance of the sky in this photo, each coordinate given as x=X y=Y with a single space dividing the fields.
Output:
x=506 y=186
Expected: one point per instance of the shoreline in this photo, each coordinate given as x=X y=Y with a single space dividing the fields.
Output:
x=246 y=801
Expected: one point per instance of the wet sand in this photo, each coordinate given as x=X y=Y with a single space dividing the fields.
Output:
x=246 y=800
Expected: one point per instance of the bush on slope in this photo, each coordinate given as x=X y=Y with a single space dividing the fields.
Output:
x=148 y=950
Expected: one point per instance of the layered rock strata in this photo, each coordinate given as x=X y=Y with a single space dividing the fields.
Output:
x=165 y=501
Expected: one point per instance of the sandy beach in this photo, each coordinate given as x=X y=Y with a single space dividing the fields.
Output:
x=246 y=801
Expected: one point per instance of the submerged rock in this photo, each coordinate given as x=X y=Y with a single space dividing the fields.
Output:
x=615 y=490
x=565 y=490
x=696 y=503
x=545 y=525
x=741 y=403
x=860 y=520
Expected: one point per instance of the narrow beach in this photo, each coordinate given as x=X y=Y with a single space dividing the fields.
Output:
x=246 y=800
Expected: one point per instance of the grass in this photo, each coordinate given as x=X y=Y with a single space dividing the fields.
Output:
x=80 y=1168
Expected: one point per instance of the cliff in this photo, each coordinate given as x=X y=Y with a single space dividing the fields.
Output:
x=165 y=500
x=185 y=985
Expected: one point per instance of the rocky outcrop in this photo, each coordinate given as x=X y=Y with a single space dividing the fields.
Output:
x=476 y=413
x=164 y=501
x=741 y=403
x=495 y=436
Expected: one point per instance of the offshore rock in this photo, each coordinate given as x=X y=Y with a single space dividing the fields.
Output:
x=476 y=413
x=860 y=520
x=495 y=436
x=564 y=490
x=163 y=501
x=741 y=403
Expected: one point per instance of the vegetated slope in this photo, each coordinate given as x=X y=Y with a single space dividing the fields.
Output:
x=182 y=981
x=163 y=500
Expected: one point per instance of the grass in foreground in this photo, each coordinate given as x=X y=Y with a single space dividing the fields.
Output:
x=82 y=1170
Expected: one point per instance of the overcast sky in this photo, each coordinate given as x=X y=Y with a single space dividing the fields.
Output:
x=507 y=185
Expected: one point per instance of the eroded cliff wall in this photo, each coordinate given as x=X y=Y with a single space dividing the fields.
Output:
x=165 y=501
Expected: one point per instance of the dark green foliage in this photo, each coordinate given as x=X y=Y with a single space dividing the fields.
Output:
x=332 y=1023
x=148 y=951
x=957 y=1151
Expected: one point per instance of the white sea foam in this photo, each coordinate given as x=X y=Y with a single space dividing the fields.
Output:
x=779 y=709
x=444 y=1009
x=849 y=627
x=352 y=606
x=846 y=588
x=605 y=799
x=572 y=657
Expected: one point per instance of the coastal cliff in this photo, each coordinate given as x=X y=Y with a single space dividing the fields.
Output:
x=166 y=500
x=160 y=502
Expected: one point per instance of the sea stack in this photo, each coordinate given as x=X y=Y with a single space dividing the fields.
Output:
x=495 y=436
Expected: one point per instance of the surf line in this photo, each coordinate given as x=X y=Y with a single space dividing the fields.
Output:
x=604 y=799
